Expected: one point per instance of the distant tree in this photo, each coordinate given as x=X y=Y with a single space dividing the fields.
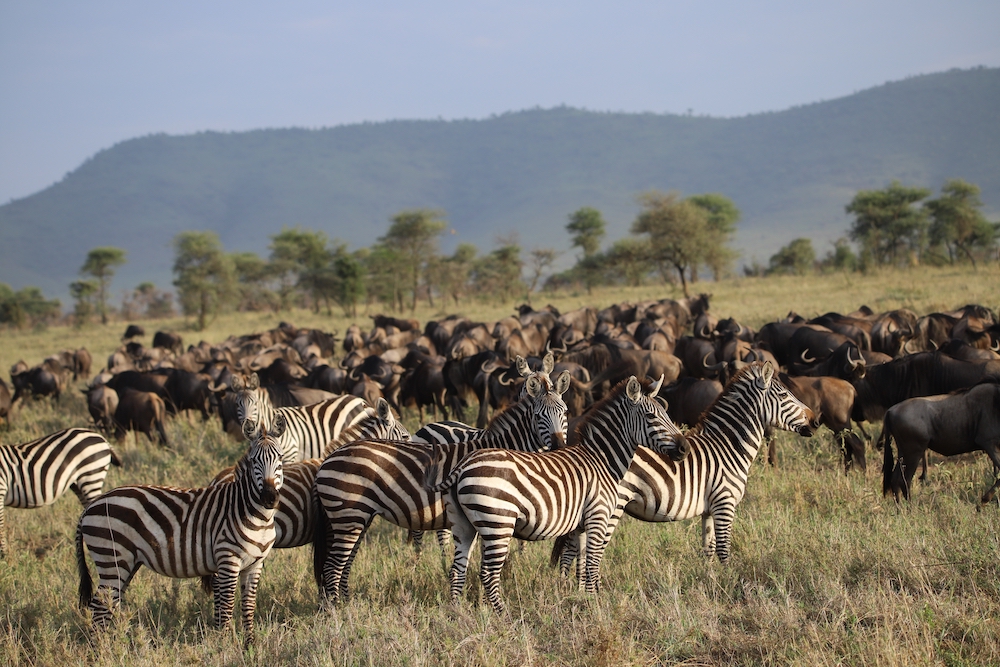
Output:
x=254 y=283
x=841 y=258
x=450 y=275
x=204 y=274
x=414 y=236
x=83 y=293
x=539 y=260
x=26 y=307
x=888 y=227
x=680 y=236
x=100 y=264
x=349 y=286
x=586 y=225
x=630 y=260
x=303 y=261
x=497 y=276
x=798 y=257
x=722 y=218
x=957 y=221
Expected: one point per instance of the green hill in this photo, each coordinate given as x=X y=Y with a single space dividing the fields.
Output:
x=789 y=172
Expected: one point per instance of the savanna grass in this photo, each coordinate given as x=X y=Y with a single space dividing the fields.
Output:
x=824 y=570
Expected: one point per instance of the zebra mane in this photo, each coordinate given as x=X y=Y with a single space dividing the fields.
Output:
x=737 y=377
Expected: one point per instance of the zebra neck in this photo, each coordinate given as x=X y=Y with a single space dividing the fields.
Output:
x=507 y=429
x=735 y=425
x=612 y=438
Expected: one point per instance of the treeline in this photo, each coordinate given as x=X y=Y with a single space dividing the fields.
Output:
x=673 y=239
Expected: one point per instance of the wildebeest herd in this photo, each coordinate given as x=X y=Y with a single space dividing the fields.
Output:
x=583 y=431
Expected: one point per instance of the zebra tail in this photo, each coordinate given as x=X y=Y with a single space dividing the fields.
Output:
x=448 y=482
x=889 y=460
x=86 y=583
x=321 y=541
x=557 y=548
x=115 y=458
x=206 y=584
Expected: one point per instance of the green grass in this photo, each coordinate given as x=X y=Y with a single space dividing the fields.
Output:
x=824 y=570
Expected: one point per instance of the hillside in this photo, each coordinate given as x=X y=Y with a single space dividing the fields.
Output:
x=789 y=172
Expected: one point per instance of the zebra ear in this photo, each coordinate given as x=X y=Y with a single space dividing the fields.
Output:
x=254 y=382
x=236 y=382
x=633 y=389
x=533 y=386
x=767 y=373
x=562 y=383
x=522 y=366
x=278 y=427
x=383 y=410
x=249 y=429
x=548 y=363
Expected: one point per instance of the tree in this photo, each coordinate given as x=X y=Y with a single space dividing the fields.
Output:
x=587 y=227
x=680 y=236
x=498 y=274
x=798 y=257
x=26 y=306
x=350 y=282
x=887 y=225
x=841 y=258
x=540 y=259
x=255 y=277
x=722 y=218
x=83 y=292
x=957 y=221
x=303 y=261
x=451 y=274
x=100 y=264
x=414 y=236
x=629 y=259
x=204 y=274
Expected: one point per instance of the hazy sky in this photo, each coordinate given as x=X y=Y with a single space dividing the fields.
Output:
x=76 y=77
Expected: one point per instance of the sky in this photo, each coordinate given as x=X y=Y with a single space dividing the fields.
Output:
x=78 y=77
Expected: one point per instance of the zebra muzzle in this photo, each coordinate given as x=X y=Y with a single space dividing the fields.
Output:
x=681 y=449
x=269 y=494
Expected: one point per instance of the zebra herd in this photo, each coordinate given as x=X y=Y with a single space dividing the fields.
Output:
x=320 y=474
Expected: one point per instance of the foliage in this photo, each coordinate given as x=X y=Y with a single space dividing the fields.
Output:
x=205 y=277
x=148 y=301
x=539 y=260
x=497 y=276
x=414 y=235
x=841 y=258
x=889 y=228
x=629 y=261
x=349 y=281
x=83 y=293
x=722 y=218
x=798 y=257
x=450 y=275
x=586 y=225
x=100 y=264
x=957 y=221
x=26 y=307
x=254 y=283
x=302 y=260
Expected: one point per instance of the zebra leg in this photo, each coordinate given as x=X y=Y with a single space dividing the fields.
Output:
x=464 y=535
x=495 y=551
x=443 y=538
x=723 y=516
x=249 y=578
x=344 y=545
x=707 y=535
x=3 y=526
x=224 y=589
x=417 y=537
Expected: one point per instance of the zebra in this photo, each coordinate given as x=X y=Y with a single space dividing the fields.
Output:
x=298 y=508
x=226 y=530
x=712 y=480
x=533 y=496
x=310 y=427
x=37 y=473
x=366 y=479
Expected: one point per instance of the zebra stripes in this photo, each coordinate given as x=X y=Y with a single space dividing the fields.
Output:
x=38 y=473
x=310 y=427
x=366 y=479
x=504 y=494
x=226 y=530
x=711 y=481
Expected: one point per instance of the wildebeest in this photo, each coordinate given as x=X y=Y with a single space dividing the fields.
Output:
x=168 y=341
x=5 y=403
x=688 y=398
x=133 y=331
x=141 y=412
x=832 y=400
x=967 y=420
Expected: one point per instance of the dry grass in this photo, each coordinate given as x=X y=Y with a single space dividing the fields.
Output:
x=824 y=570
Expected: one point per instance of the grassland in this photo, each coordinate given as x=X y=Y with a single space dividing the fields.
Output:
x=824 y=570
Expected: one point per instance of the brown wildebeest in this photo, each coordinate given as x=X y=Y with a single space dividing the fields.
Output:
x=140 y=411
x=964 y=421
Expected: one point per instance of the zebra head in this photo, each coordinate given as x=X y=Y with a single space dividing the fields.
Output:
x=548 y=410
x=248 y=401
x=650 y=424
x=780 y=407
x=264 y=459
x=384 y=425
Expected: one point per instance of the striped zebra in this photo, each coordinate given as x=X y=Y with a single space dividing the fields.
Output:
x=366 y=479
x=310 y=427
x=37 y=473
x=225 y=530
x=711 y=481
x=533 y=496
x=298 y=507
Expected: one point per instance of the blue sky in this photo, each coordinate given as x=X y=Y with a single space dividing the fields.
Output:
x=79 y=77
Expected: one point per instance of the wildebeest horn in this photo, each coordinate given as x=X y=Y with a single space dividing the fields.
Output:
x=502 y=382
x=995 y=346
x=855 y=364
x=704 y=360
x=802 y=356
x=934 y=345
x=906 y=347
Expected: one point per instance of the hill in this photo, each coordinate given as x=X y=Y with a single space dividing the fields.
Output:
x=790 y=173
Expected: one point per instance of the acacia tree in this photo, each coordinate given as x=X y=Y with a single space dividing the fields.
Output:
x=539 y=259
x=204 y=274
x=451 y=274
x=100 y=264
x=722 y=218
x=957 y=221
x=303 y=260
x=414 y=236
x=887 y=225
x=680 y=236
x=629 y=259
x=586 y=225
x=83 y=292
x=798 y=257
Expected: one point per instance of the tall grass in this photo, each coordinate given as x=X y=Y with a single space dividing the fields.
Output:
x=824 y=570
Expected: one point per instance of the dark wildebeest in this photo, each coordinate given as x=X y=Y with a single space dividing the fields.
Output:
x=832 y=400
x=845 y=362
x=168 y=341
x=688 y=399
x=133 y=331
x=965 y=421
x=140 y=412
x=46 y=379
x=102 y=403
